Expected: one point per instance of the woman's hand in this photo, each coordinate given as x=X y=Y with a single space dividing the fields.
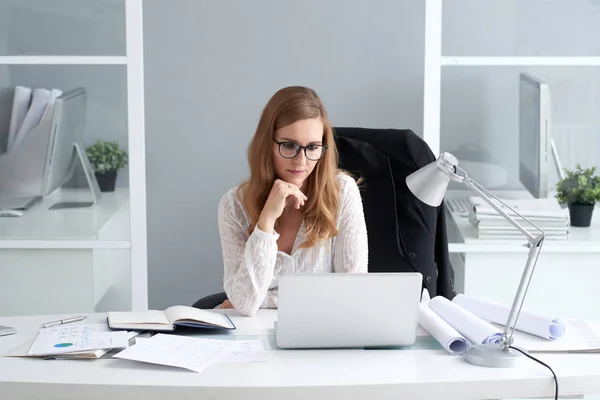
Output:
x=226 y=304
x=278 y=198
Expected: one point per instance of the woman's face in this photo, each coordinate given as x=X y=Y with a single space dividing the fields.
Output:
x=304 y=132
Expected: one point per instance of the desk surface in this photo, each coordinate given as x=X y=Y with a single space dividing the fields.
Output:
x=40 y=223
x=368 y=374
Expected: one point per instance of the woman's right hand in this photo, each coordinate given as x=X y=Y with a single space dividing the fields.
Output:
x=278 y=198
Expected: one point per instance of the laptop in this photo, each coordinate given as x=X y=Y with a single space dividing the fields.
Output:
x=348 y=310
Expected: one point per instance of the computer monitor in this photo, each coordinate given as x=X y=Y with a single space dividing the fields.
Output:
x=65 y=148
x=536 y=146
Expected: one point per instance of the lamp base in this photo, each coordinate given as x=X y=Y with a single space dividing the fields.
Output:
x=492 y=355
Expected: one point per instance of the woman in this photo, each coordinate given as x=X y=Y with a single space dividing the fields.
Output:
x=298 y=213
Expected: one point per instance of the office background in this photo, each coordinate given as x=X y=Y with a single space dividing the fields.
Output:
x=211 y=66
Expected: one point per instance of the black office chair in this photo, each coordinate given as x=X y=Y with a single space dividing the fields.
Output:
x=404 y=234
x=210 y=301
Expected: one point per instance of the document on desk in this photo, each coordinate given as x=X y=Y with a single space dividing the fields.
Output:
x=76 y=338
x=192 y=353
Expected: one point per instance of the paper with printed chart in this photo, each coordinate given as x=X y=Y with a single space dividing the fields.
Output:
x=76 y=338
x=465 y=322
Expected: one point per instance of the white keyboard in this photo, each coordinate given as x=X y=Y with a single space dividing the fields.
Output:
x=458 y=205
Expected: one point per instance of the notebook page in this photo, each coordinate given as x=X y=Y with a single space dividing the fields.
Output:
x=143 y=317
x=191 y=314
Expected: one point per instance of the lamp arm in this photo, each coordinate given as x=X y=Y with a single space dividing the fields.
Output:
x=487 y=196
x=534 y=244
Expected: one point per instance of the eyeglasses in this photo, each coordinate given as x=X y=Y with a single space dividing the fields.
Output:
x=313 y=152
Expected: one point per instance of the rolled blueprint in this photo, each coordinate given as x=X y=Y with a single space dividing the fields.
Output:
x=544 y=326
x=441 y=331
x=465 y=322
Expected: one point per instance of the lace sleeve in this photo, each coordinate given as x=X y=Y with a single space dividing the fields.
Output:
x=248 y=261
x=351 y=247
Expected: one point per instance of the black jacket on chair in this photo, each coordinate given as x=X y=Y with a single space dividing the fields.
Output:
x=404 y=234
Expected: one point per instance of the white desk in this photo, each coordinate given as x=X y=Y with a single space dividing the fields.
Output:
x=298 y=374
x=43 y=252
x=565 y=281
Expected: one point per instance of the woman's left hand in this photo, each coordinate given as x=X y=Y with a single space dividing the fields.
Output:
x=226 y=304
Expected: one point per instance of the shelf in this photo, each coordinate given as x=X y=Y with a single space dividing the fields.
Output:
x=63 y=60
x=105 y=226
x=521 y=61
x=64 y=244
x=462 y=237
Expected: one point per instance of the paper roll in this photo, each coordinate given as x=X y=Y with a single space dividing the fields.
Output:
x=441 y=331
x=545 y=326
x=465 y=322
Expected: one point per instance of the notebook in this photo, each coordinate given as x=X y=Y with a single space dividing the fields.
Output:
x=169 y=319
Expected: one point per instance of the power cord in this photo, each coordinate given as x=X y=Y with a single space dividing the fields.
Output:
x=545 y=365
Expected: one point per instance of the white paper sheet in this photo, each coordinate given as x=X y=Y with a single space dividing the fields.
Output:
x=466 y=323
x=39 y=100
x=192 y=353
x=21 y=101
x=441 y=331
x=76 y=338
x=244 y=351
x=545 y=326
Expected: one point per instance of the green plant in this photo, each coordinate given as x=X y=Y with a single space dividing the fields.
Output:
x=106 y=156
x=580 y=187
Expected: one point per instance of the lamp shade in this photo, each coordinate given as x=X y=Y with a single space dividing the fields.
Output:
x=430 y=182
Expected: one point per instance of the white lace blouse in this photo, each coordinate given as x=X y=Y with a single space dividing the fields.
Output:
x=252 y=263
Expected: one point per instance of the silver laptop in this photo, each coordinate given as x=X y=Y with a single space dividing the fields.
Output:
x=348 y=310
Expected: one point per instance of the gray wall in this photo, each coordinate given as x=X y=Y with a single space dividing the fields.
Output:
x=211 y=66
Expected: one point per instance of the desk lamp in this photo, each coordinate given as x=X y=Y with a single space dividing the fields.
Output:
x=429 y=185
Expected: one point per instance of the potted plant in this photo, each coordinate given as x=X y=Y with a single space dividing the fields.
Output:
x=106 y=158
x=580 y=190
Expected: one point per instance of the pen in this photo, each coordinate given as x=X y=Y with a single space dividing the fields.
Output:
x=62 y=321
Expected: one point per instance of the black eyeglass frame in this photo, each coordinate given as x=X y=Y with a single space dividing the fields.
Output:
x=298 y=148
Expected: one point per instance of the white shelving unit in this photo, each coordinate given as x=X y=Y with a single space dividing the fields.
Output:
x=435 y=60
x=128 y=215
x=478 y=263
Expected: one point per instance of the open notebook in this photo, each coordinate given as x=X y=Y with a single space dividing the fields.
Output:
x=168 y=320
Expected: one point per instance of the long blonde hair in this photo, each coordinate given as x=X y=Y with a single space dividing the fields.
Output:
x=285 y=107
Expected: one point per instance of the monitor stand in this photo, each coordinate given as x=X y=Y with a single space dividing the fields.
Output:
x=557 y=164
x=91 y=181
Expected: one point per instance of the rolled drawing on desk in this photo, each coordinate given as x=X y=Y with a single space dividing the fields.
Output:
x=548 y=327
x=441 y=331
x=465 y=322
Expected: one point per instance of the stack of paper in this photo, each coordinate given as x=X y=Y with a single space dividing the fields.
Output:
x=547 y=214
